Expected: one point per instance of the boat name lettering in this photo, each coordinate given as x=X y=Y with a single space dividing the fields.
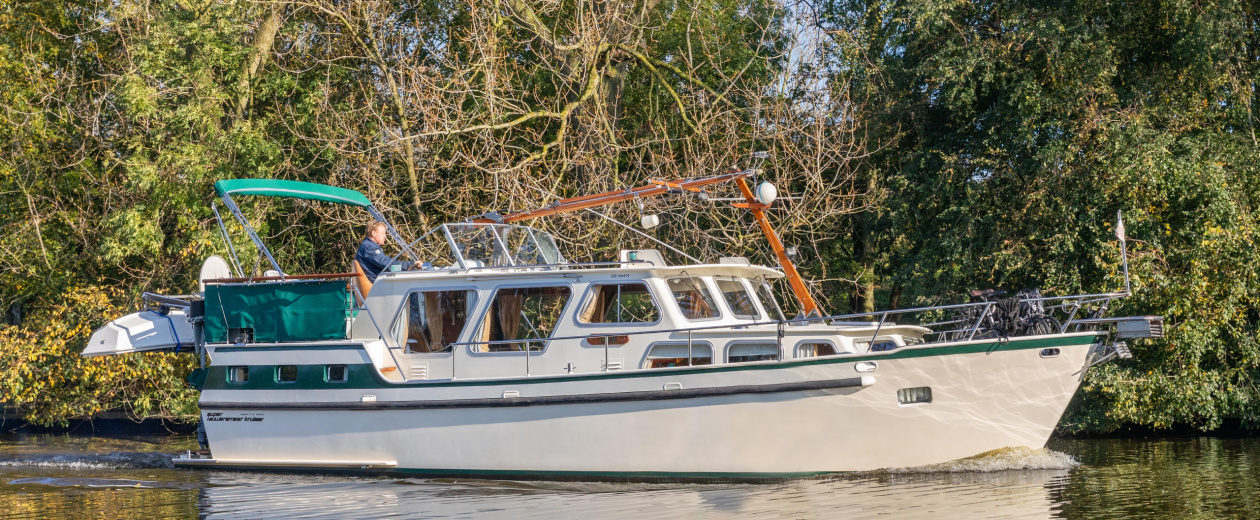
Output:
x=241 y=417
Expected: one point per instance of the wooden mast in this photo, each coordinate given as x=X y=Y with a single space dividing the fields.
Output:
x=808 y=305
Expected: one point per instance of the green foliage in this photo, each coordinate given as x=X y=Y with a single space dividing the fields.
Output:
x=1016 y=130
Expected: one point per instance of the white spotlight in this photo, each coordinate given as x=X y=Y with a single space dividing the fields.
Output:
x=766 y=193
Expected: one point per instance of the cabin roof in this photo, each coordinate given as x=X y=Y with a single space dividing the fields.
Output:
x=645 y=271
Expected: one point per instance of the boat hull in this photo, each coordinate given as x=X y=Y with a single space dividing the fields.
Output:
x=756 y=420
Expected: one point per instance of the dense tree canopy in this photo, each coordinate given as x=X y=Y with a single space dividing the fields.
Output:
x=938 y=146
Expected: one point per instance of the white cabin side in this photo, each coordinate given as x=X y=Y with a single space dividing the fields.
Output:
x=737 y=322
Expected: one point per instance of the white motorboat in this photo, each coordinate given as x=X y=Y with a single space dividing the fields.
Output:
x=501 y=358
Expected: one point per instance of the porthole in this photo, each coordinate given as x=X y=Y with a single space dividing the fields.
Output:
x=865 y=366
x=1049 y=352
x=335 y=374
x=916 y=395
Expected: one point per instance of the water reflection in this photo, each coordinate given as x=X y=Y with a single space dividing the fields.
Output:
x=1193 y=478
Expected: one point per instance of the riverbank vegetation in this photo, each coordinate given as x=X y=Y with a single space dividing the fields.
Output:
x=937 y=146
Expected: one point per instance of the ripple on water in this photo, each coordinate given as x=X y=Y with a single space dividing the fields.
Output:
x=105 y=483
x=1004 y=459
x=115 y=460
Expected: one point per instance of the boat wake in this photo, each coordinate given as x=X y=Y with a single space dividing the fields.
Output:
x=1003 y=459
x=105 y=483
x=115 y=460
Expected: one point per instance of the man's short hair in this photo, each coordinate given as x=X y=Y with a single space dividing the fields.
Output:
x=372 y=226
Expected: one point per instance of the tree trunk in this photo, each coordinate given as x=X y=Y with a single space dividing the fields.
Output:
x=263 y=40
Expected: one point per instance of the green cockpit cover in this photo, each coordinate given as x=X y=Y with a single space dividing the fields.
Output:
x=292 y=189
x=278 y=312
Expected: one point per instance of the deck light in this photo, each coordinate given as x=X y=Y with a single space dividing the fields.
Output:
x=647 y=221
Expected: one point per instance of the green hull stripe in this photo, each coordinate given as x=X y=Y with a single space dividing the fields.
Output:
x=528 y=474
x=364 y=376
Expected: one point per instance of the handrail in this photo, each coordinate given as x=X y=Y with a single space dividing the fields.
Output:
x=805 y=321
x=165 y=300
x=289 y=277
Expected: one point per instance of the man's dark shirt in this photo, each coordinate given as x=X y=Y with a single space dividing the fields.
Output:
x=373 y=261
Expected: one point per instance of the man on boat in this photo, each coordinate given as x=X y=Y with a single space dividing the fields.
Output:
x=370 y=256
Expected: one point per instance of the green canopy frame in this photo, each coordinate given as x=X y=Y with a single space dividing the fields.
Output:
x=293 y=190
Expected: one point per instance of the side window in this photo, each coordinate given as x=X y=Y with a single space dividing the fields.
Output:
x=881 y=345
x=663 y=355
x=693 y=298
x=620 y=303
x=738 y=298
x=748 y=352
x=768 y=302
x=430 y=321
x=815 y=349
x=526 y=313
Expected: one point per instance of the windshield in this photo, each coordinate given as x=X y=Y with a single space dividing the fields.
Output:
x=483 y=245
x=768 y=302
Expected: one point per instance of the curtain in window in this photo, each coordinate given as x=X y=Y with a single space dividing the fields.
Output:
x=509 y=306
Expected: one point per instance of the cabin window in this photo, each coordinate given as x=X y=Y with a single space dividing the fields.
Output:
x=881 y=345
x=921 y=394
x=664 y=355
x=738 y=298
x=527 y=314
x=815 y=349
x=238 y=374
x=768 y=302
x=620 y=303
x=748 y=352
x=335 y=374
x=693 y=298
x=286 y=374
x=431 y=320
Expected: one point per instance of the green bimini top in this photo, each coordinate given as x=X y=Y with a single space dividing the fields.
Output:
x=292 y=189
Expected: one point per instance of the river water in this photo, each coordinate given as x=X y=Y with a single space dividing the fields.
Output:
x=73 y=477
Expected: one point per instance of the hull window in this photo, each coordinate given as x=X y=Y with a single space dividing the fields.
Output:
x=807 y=350
x=286 y=374
x=693 y=298
x=749 y=352
x=528 y=314
x=335 y=374
x=738 y=298
x=431 y=320
x=665 y=355
x=921 y=394
x=238 y=374
x=620 y=303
